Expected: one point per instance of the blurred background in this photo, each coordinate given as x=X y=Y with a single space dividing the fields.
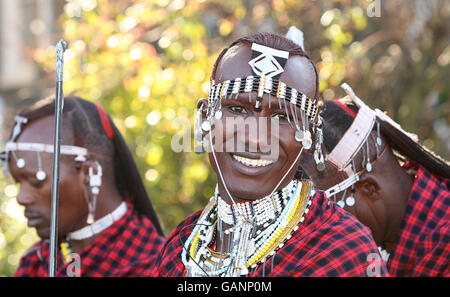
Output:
x=147 y=63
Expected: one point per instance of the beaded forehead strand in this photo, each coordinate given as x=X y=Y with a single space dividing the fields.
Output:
x=79 y=153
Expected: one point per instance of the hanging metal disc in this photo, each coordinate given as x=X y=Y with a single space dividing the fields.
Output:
x=206 y=126
x=40 y=175
x=20 y=163
x=350 y=201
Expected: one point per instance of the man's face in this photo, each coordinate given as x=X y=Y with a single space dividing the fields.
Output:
x=254 y=172
x=35 y=195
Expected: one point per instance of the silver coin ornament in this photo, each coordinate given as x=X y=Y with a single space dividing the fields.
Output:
x=218 y=115
x=205 y=143
x=298 y=135
x=321 y=166
x=350 y=201
x=369 y=167
x=379 y=141
x=20 y=163
x=341 y=203
x=95 y=190
x=307 y=141
x=206 y=126
x=40 y=175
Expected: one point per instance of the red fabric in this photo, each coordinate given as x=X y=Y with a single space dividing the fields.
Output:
x=130 y=239
x=423 y=245
x=106 y=124
x=330 y=242
x=345 y=108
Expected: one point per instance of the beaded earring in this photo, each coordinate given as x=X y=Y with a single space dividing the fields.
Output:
x=20 y=163
x=368 y=164
x=318 y=155
x=350 y=200
x=40 y=174
x=95 y=181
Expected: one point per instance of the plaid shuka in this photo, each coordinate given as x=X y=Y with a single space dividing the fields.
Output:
x=423 y=245
x=330 y=242
x=129 y=239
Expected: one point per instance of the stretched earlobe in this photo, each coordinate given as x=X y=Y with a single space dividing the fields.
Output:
x=201 y=126
x=369 y=187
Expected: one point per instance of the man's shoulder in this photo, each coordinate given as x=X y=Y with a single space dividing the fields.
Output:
x=36 y=249
x=327 y=216
x=329 y=227
x=333 y=242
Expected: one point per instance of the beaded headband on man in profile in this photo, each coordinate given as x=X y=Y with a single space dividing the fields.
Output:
x=355 y=140
x=12 y=146
x=80 y=155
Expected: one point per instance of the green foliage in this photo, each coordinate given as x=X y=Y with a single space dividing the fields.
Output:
x=147 y=63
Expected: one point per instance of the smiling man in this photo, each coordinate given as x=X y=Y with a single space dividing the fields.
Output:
x=262 y=221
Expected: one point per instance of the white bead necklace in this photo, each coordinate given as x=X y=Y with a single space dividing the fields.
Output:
x=261 y=211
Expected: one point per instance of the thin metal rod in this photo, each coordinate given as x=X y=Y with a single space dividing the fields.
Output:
x=59 y=101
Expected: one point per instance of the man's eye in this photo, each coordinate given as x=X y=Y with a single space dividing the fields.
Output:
x=280 y=116
x=238 y=109
x=35 y=183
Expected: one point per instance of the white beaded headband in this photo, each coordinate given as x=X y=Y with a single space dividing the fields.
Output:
x=354 y=138
x=262 y=85
x=80 y=153
x=349 y=145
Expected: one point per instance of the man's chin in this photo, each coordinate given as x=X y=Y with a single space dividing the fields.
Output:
x=248 y=191
x=43 y=233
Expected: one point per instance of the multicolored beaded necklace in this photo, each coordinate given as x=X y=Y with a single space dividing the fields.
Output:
x=252 y=242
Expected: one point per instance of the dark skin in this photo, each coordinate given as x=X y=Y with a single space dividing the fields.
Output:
x=74 y=188
x=381 y=196
x=246 y=183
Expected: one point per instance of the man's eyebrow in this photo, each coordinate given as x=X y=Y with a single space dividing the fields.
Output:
x=243 y=98
x=240 y=100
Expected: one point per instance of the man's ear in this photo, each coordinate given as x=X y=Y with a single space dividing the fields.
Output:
x=369 y=187
x=202 y=103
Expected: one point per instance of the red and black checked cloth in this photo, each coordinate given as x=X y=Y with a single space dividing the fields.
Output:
x=330 y=242
x=423 y=245
x=131 y=238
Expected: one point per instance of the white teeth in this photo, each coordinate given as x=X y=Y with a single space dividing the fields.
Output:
x=253 y=162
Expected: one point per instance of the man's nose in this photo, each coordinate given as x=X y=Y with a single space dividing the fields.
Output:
x=258 y=134
x=24 y=198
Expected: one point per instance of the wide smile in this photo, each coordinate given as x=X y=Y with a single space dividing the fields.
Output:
x=253 y=162
x=252 y=165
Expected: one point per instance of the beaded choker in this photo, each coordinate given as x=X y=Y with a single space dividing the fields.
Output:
x=250 y=245
x=261 y=211
x=100 y=225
